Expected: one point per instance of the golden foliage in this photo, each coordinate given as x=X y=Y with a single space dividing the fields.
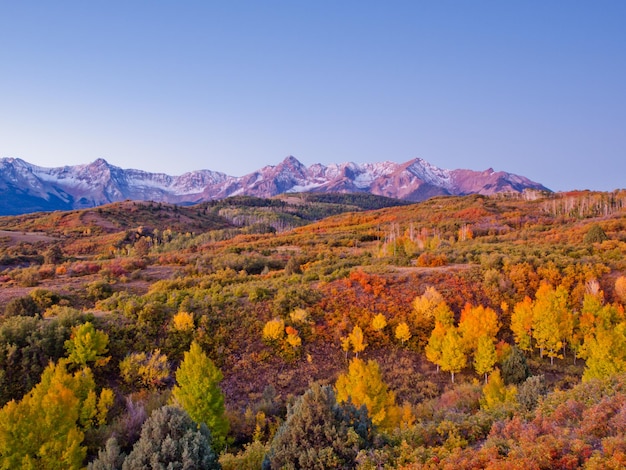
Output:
x=403 y=333
x=299 y=315
x=379 y=322
x=183 y=321
x=363 y=385
x=274 y=330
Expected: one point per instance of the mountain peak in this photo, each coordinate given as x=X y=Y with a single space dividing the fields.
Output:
x=99 y=163
x=292 y=162
x=99 y=182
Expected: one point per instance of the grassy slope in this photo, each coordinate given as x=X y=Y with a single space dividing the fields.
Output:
x=354 y=265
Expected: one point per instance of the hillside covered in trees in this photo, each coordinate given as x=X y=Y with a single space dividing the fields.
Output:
x=316 y=331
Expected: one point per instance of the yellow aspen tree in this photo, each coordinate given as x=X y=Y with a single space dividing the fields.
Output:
x=345 y=344
x=147 y=370
x=357 y=340
x=620 y=289
x=566 y=317
x=363 y=385
x=496 y=393
x=453 y=358
x=604 y=351
x=427 y=309
x=522 y=324
x=379 y=322
x=407 y=418
x=476 y=322
x=435 y=344
x=485 y=357
x=46 y=428
x=443 y=314
x=299 y=315
x=403 y=333
x=550 y=320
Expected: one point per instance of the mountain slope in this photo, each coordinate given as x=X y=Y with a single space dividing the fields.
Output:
x=28 y=188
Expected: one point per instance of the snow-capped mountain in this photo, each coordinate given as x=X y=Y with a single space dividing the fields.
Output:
x=28 y=188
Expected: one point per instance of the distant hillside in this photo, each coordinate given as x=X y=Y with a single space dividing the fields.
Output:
x=26 y=188
x=244 y=213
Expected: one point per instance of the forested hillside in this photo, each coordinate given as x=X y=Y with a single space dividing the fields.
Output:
x=317 y=331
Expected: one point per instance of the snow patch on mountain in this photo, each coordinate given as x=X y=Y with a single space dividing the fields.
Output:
x=99 y=182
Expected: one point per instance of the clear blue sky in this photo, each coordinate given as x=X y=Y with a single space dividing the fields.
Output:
x=536 y=88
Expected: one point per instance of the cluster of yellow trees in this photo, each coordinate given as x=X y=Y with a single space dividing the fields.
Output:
x=547 y=323
x=46 y=428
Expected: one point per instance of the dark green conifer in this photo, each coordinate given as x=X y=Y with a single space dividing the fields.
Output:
x=515 y=367
x=319 y=433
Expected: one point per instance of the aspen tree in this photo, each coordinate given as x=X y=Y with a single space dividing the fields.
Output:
x=363 y=385
x=453 y=358
x=403 y=333
x=485 y=357
x=197 y=391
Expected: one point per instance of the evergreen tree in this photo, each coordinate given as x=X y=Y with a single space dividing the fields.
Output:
x=320 y=433
x=198 y=392
x=595 y=234
x=515 y=368
x=171 y=440
x=530 y=391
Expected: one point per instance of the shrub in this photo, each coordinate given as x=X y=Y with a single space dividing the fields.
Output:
x=529 y=392
x=99 y=290
x=319 y=433
x=44 y=298
x=148 y=370
x=170 y=439
x=21 y=306
x=28 y=277
x=250 y=458
x=595 y=234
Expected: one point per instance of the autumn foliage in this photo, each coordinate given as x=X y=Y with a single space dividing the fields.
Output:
x=469 y=332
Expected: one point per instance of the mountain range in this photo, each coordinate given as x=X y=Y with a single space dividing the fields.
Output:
x=26 y=188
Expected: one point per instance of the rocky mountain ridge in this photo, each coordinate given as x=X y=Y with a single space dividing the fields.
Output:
x=28 y=188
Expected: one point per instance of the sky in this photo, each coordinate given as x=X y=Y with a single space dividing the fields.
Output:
x=536 y=88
